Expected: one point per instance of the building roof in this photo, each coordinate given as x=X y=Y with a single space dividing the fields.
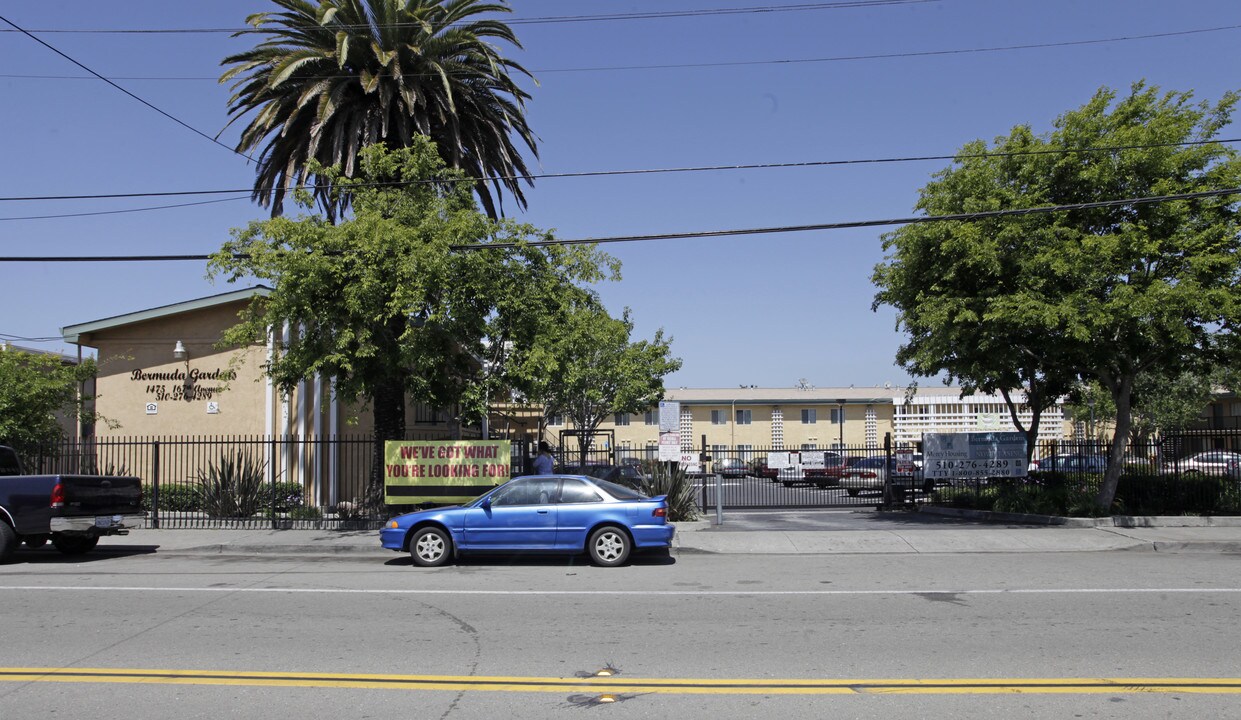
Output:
x=6 y=346
x=811 y=395
x=74 y=333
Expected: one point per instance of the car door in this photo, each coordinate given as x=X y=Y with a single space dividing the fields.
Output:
x=519 y=516
x=576 y=513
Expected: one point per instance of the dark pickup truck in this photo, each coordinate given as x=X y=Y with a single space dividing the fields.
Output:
x=73 y=511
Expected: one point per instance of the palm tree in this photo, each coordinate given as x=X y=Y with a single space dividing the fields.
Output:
x=335 y=76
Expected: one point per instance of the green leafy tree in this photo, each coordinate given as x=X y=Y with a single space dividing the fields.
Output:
x=334 y=76
x=36 y=392
x=1110 y=292
x=387 y=305
x=954 y=284
x=587 y=367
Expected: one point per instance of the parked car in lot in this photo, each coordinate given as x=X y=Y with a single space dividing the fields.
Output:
x=630 y=476
x=537 y=514
x=759 y=469
x=871 y=473
x=1212 y=462
x=730 y=467
x=1075 y=463
x=834 y=468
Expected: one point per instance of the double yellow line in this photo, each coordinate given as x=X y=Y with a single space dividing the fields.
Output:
x=615 y=685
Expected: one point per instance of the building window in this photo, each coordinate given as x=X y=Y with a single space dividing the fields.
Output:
x=809 y=416
x=809 y=446
x=746 y=451
x=651 y=417
x=719 y=417
x=838 y=416
x=744 y=417
x=555 y=419
x=622 y=419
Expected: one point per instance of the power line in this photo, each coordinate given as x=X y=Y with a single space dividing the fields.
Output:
x=654 y=171
x=736 y=232
x=171 y=117
x=553 y=19
x=918 y=220
x=743 y=63
x=122 y=212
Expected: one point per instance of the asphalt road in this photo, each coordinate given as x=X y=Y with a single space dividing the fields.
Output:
x=1097 y=635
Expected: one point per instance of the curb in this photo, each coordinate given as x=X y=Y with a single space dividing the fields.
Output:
x=1122 y=521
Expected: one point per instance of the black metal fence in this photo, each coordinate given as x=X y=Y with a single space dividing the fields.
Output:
x=1186 y=473
x=333 y=482
x=242 y=481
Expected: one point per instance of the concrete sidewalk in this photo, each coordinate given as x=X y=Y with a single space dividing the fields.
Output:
x=968 y=534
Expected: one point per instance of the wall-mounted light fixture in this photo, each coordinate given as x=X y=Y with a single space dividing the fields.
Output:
x=180 y=353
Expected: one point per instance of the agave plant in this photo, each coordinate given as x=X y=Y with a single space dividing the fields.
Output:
x=235 y=487
x=670 y=480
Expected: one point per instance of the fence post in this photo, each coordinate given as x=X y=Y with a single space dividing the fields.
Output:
x=155 y=484
x=887 y=470
x=273 y=483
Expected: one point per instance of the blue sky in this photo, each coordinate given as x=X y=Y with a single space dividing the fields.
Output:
x=764 y=310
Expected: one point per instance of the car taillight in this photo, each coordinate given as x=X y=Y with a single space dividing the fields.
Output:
x=870 y=474
x=58 y=496
x=660 y=512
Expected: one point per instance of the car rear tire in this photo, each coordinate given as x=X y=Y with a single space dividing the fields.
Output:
x=853 y=492
x=609 y=546
x=75 y=544
x=35 y=541
x=430 y=547
x=8 y=542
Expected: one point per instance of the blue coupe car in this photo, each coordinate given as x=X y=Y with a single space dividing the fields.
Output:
x=538 y=513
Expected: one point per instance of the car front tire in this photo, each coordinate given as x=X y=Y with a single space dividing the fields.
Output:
x=430 y=547
x=35 y=541
x=609 y=546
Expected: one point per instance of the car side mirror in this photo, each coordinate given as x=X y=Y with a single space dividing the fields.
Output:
x=486 y=503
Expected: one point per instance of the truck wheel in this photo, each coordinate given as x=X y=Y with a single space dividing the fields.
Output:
x=75 y=544
x=8 y=542
x=35 y=541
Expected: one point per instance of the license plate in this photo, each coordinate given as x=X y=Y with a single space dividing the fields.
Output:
x=106 y=521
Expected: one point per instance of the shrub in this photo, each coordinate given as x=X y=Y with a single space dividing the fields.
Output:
x=663 y=479
x=305 y=513
x=286 y=496
x=178 y=497
x=233 y=487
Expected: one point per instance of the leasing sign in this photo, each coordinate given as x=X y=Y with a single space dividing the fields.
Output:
x=950 y=456
x=443 y=471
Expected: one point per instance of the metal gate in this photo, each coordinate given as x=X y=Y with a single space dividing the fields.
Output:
x=837 y=477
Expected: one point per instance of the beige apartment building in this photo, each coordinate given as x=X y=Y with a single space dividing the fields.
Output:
x=162 y=374
x=753 y=419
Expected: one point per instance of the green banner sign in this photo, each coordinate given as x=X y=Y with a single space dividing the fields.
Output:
x=443 y=471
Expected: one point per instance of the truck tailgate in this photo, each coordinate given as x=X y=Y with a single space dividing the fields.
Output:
x=100 y=495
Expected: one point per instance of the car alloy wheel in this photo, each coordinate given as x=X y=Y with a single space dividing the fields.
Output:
x=609 y=546
x=430 y=547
